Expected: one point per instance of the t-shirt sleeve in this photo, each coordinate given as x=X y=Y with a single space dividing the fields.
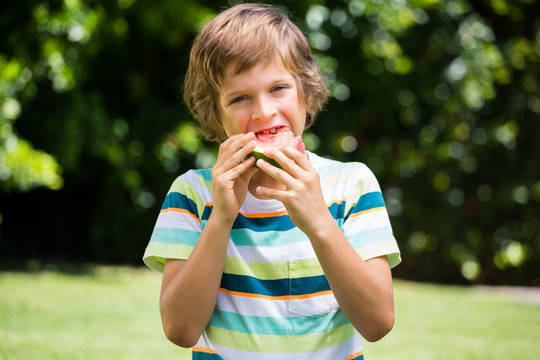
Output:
x=178 y=225
x=367 y=224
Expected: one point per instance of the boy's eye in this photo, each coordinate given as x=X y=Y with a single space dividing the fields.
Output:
x=278 y=88
x=238 y=99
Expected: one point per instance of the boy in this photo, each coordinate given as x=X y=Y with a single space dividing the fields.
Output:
x=266 y=262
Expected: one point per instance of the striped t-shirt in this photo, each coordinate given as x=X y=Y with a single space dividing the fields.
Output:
x=274 y=301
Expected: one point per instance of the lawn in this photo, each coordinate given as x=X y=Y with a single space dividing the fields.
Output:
x=112 y=313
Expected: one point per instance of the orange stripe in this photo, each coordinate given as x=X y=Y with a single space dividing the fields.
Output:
x=283 y=297
x=280 y=213
x=204 y=350
x=180 y=211
x=368 y=211
x=355 y=355
x=336 y=201
x=263 y=215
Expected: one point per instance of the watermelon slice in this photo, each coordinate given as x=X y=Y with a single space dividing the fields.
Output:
x=278 y=138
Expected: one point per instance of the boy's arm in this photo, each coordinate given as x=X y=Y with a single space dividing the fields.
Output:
x=190 y=287
x=363 y=289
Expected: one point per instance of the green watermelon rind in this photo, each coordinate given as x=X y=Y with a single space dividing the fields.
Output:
x=259 y=154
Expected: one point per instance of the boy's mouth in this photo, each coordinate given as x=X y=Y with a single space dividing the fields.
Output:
x=265 y=133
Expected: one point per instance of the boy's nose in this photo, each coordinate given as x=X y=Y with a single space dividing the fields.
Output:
x=264 y=110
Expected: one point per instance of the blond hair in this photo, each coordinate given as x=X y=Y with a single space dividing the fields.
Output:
x=245 y=35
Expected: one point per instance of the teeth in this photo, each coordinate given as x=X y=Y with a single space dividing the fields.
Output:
x=271 y=131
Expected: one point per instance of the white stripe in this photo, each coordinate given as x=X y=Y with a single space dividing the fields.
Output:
x=370 y=220
x=253 y=306
x=267 y=255
x=337 y=352
x=180 y=220
x=389 y=248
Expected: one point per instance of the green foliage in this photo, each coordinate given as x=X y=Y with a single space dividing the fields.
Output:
x=21 y=166
x=440 y=98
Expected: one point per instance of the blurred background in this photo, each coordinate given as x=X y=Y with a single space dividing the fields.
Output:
x=440 y=98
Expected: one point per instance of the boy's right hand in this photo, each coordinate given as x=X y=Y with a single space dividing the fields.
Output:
x=231 y=175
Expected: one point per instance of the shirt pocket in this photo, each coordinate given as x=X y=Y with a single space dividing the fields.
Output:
x=309 y=291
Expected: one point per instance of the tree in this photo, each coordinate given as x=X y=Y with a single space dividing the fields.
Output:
x=439 y=98
x=448 y=97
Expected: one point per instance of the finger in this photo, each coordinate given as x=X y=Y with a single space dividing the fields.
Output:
x=240 y=170
x=250 y=171
x=276 y=173
x=234 y=150
x=247 y=169
x=235 y=143
x=299 y=158
x=286 y=162
x=269 y=193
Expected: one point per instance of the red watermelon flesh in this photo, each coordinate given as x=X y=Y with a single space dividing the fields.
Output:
x=278 y=138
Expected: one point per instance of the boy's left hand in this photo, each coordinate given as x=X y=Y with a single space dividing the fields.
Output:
x=302 y=196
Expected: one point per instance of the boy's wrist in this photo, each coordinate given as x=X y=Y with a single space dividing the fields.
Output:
x=323 y=230
x=220 y=220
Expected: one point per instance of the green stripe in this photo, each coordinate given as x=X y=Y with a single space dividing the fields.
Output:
x=276 y=270
x=279 y=343
x=155 y=252
x=305 y=268
x=271 y=271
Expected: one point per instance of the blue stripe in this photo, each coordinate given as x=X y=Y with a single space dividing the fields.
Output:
x=196 y=355
x=281 y=223
x=309 y=285
x=337 y=210
x=175 y=236
x=206 y=174
x=176 y=200
x=277 y=287
x=244 y=237
x=206 y=213
x=252 y=285
x=367 y=201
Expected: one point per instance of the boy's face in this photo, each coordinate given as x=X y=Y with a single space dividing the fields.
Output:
x=261 y=99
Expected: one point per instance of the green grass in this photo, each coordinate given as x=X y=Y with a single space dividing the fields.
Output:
x=450 y=322
x=112 y=313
